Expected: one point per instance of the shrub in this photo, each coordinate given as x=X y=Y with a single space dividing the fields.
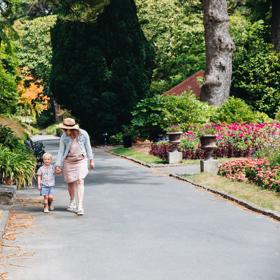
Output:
x=52 y=130
x=277 y=115
x=17 y=166
x=233 y=140
x=7 y=137
x=257 y=171
x=234 y=110
x=116 y=139
x=153 y=116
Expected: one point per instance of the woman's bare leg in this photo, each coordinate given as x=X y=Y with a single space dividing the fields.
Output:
x=80 y=194
x=71 y=190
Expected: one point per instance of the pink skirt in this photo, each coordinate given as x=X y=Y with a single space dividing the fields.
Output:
x=73 y=171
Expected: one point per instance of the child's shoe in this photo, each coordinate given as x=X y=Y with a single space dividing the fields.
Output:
x=46 y=210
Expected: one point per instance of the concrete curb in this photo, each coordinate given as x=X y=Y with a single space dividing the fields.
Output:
x=250 y=206
x=149 y=165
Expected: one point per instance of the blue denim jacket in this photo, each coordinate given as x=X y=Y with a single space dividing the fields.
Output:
x=65 y=143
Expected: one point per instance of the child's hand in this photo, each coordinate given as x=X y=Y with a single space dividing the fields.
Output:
x=39 y=187
x=57 y=170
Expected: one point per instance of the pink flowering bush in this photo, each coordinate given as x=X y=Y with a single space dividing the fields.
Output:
x=257 y=171
x=233 y=140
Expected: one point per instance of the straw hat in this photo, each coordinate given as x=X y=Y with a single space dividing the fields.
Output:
x=68 y=123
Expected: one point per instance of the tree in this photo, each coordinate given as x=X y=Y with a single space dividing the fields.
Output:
x=219 y=50
x=33 y=47
x=276 y=24
x=101 y=69
x=256 y=66
x=175 y=28
x=8 y=94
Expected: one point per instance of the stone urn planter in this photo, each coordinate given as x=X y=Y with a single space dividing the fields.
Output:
x=174 y=156
x=174 y=136
x=208 y=144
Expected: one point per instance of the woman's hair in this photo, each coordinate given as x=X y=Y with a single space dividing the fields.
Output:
x=47 y=155
x=74 y=132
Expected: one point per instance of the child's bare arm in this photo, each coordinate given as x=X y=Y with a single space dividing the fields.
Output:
x=39 y=180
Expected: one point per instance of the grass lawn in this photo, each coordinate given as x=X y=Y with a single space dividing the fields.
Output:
x=130 y=152
x=245 y=191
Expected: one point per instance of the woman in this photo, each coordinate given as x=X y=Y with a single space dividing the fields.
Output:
x=73 y=155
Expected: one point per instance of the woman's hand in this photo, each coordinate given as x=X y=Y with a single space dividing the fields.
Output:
x=57 y=170
x=91 y=164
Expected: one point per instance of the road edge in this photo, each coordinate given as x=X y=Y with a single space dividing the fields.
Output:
x=226 y=196
x=248 y=205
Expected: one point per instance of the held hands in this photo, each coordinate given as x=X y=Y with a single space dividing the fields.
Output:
x=39 y=187
x=57 y=170
x=91 y=164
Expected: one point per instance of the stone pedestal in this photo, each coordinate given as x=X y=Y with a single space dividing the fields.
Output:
x=175 y=157
x=209 y=165
x=7 y=194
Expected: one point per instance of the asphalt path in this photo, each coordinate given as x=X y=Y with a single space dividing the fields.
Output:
x=141 y=225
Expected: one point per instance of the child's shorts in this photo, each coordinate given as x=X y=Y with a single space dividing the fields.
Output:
x=46 y=190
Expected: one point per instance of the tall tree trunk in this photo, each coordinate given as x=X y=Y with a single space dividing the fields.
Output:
x=276 y=24
x=219 y=50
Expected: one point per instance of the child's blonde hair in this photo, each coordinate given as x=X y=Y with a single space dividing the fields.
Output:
x=45 y=155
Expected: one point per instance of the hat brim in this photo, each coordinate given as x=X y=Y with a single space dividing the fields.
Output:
x=63 y=126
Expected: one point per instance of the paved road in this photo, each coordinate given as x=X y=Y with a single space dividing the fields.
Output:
x=143 y=226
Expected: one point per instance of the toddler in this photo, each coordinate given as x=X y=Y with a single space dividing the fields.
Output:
x=46 y=182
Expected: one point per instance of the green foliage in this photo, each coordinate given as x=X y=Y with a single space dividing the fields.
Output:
x=8 y=63
x=187 y=110
x=234 y=110
x=176 y=30
x=16 y=166
x=153 y=116
x=52 y=130
x=256 y=66
x=277 y=115
x=34 y=48
x=116 y=139
x=8 y=94
x=102 y=69
x=150 y=117
x=8 y=138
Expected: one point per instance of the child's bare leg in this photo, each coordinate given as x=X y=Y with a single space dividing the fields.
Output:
x=50 y=201
x=46 y=203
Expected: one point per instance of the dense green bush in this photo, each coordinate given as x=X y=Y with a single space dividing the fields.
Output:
x=102 y=69
x=234 y=110
x=116 y=139
x=8 y=138
x=277 y=115
x=17 y=163
x=16 y=166
x=256 y=66
x=8 y=94
x=153 y=116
